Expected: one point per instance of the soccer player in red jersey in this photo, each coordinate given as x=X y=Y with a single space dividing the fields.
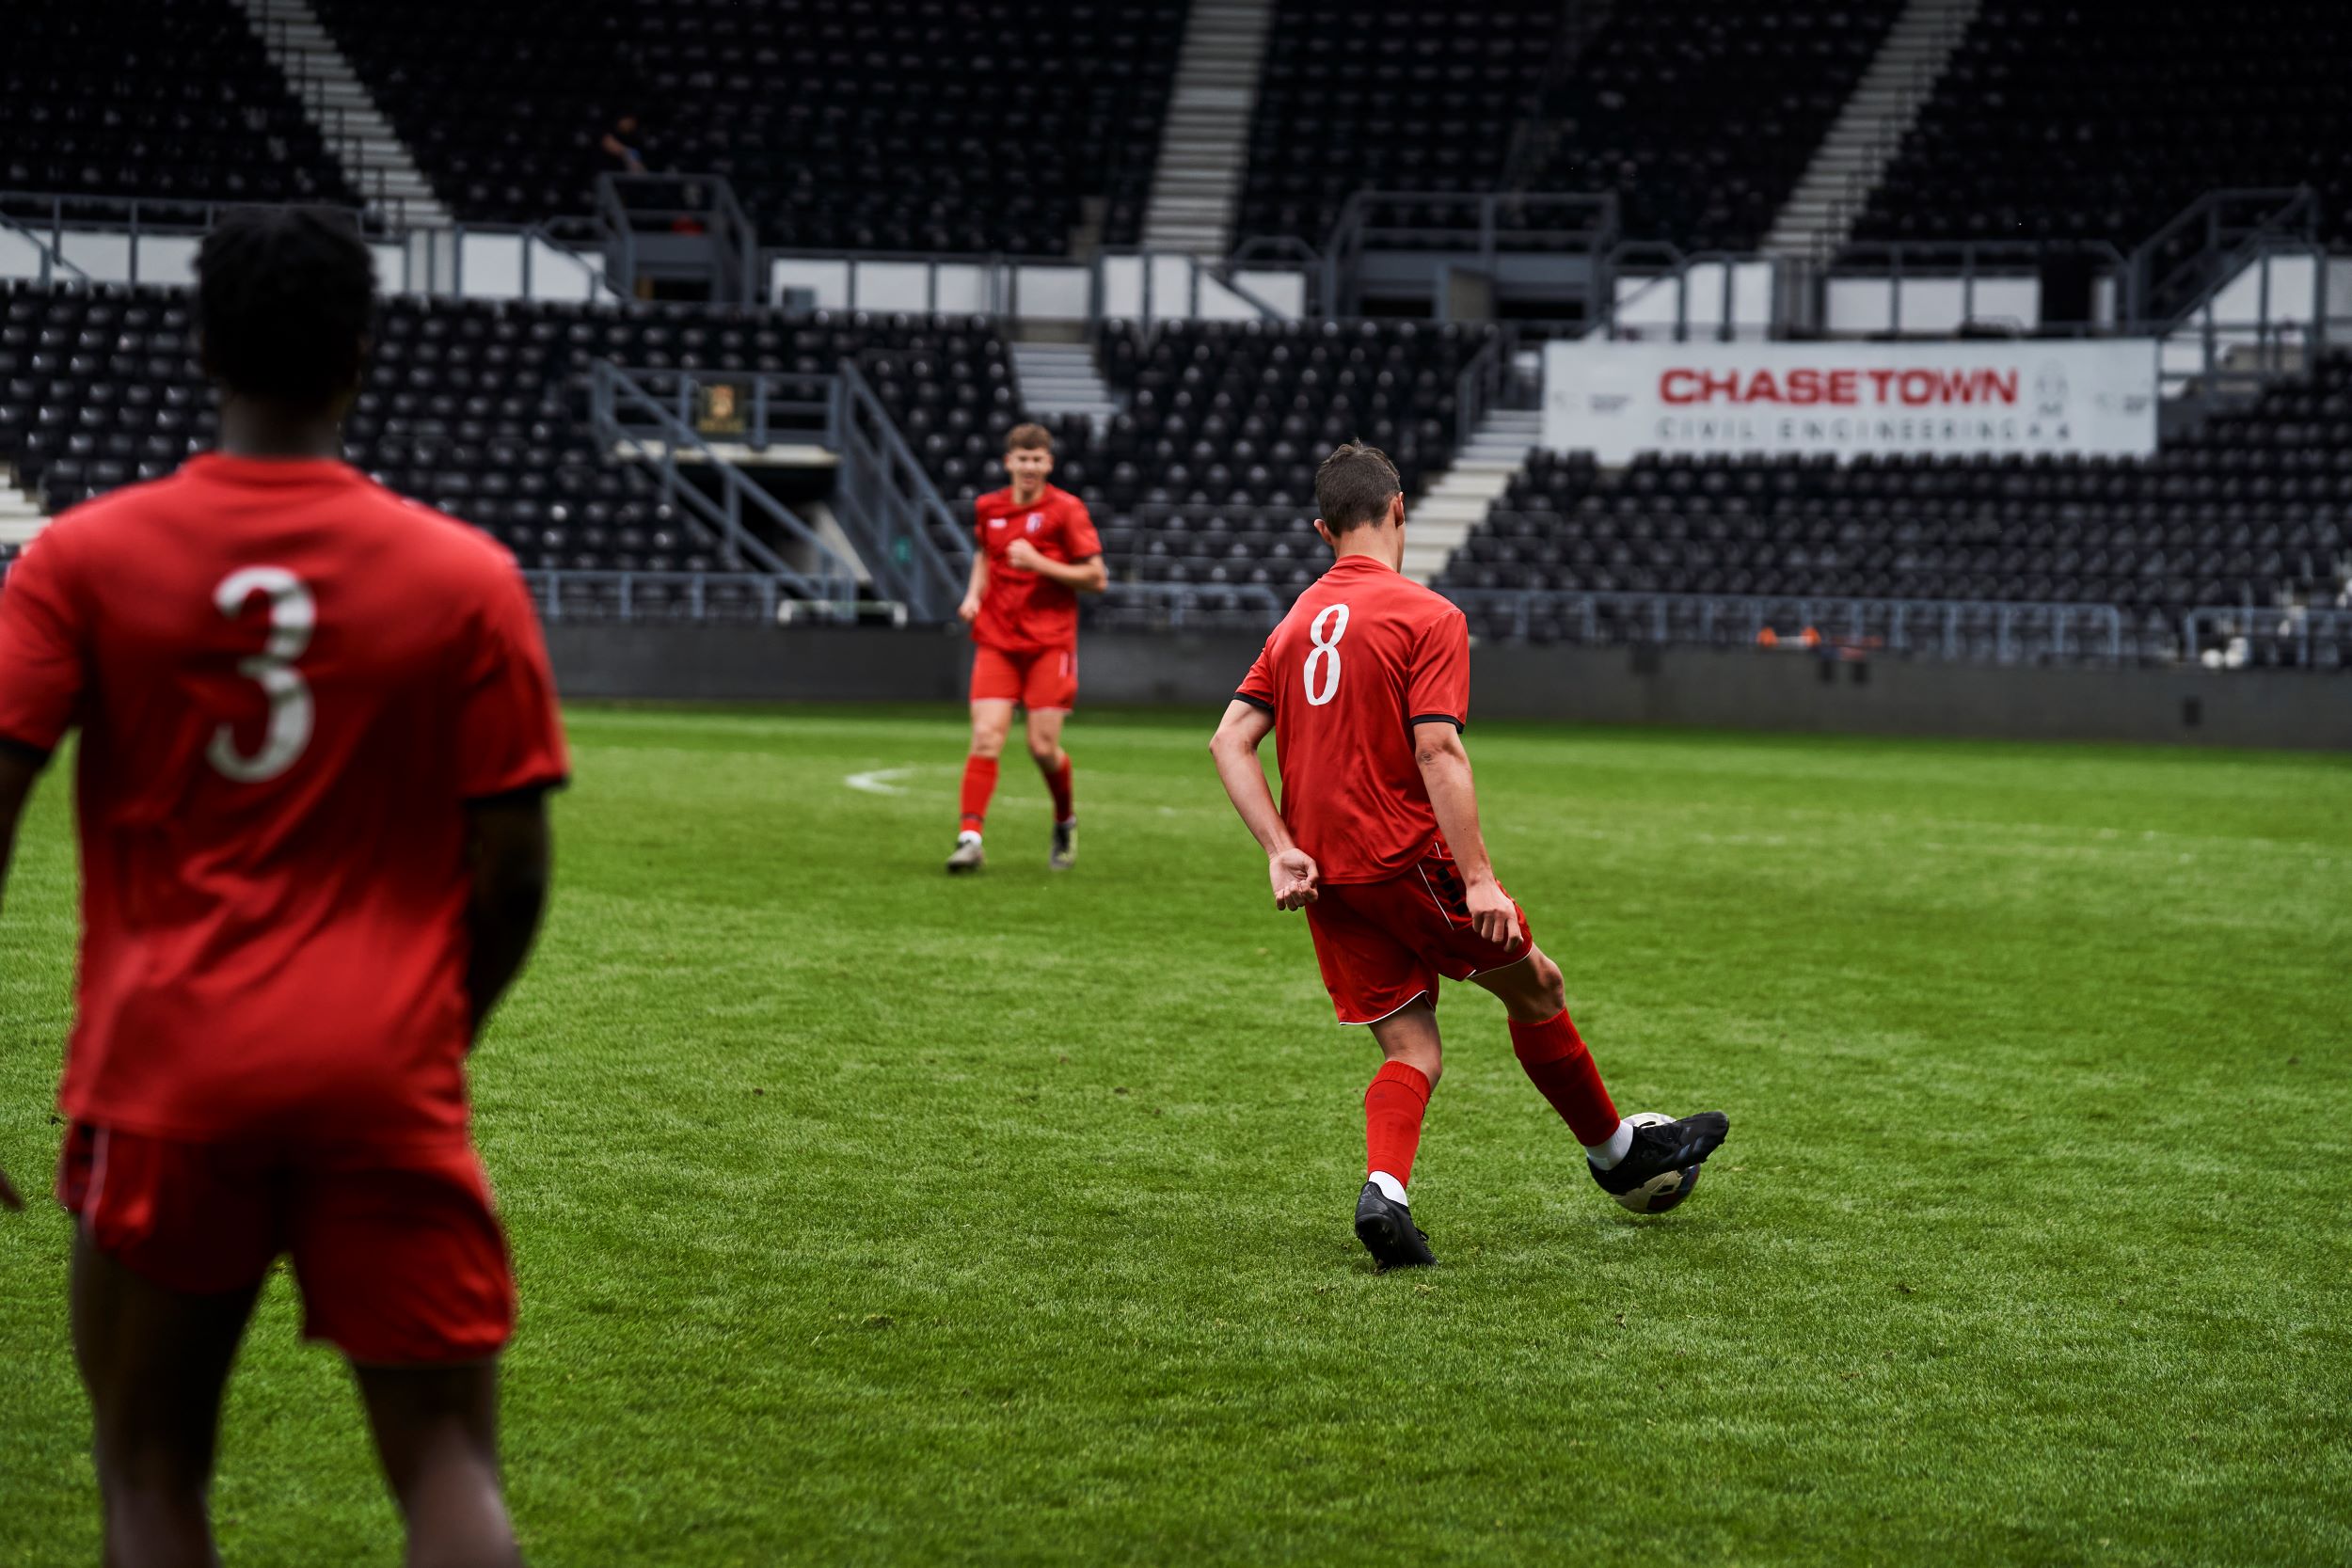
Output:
x=317 y=728
x=1037 y=553
x=1365 y=686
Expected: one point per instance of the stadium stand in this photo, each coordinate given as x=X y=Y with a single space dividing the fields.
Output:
x=479 y=408
x=898 y=125
x=2100 y=120
x=2256 y=508
x=1398 y=95
x=115 y=98
x=1702 y=114
x=1208 y=475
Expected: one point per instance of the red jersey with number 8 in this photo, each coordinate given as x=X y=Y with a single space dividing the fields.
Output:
x=289 y=683
x=1364 y=655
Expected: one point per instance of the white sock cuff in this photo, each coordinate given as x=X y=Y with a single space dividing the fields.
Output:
x=1605 y=1155
x=1390 y=1188
x=967 y=836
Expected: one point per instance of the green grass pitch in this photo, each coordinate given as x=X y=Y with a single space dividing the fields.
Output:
x=865 y=1216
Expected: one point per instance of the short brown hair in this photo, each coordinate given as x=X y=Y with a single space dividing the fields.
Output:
x=1355 y=485
x=1028 y=437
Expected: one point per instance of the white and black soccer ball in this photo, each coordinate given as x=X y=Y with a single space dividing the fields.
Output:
x=1667 y=1188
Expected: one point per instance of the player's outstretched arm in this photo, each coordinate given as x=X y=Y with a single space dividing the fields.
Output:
x=513 y=860
x=18 y=769
x=1289 y=869
x=1445 y=772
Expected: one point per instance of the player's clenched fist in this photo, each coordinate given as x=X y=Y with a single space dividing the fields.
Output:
x=1294 y=875
x=969 y=611
x=1023 y=554
x=1493 y=916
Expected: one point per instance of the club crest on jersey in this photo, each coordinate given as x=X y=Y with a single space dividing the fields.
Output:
x=1037 y=520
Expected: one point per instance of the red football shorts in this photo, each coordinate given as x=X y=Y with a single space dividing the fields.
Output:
x=1043 y=681
x=400 y=1257
x=1383 y=945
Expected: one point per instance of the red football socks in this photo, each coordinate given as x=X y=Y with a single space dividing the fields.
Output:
x=1557 y=1063
x=1393 y=1106
x=980 y=783
x=1057 y=780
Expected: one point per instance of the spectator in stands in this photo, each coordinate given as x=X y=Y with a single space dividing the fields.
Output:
x=624 y=145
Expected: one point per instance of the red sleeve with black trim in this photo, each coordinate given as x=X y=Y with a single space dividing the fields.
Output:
x=42 y=670
x=1257 y=688
x=510 y=735
x=1437 y=684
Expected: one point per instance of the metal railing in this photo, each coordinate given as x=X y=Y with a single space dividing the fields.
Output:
x=630 y=205
x=1482 y=383
x=762 y=408
x=2173 y=272
x=883 y=501
x=1662 y=268
x=563 y=595
x=616 y=399
x=1481 y=226
x=886 y=498
x=1181 y=606
x=2233 y=636
x=1999 y=631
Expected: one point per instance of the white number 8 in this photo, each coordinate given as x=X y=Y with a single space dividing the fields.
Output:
x=291 y=616
x=1327 y=649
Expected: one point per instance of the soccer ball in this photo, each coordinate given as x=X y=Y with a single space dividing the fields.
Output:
x=1666 y=1189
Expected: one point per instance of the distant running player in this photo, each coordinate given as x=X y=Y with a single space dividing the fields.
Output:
x=1037 y=553
x=317 y=729
x=1366 y=686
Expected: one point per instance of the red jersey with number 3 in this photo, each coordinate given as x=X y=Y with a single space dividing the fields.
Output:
x=289 y=683
x=1364 y=655
x=1022 y=612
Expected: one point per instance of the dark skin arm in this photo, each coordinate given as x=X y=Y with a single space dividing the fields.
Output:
x=17 y=773
x=513 y=861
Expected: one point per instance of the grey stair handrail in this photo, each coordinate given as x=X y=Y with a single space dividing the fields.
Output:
x=51 y=257
x=2270 y=215
x=887 y=495
x=611 y=390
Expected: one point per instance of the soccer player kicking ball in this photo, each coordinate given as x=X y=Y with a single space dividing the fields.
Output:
x=317 y=727
x=1366 y=684
x=1038 y=552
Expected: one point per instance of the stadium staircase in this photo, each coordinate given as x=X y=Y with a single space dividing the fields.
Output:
x=373 y=158
x=1053 y=380
x=1851 y=160
x=1459 y=500
x=21 y=515
x=1205 y=143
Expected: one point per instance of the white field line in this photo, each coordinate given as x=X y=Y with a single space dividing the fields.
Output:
x=881 y=781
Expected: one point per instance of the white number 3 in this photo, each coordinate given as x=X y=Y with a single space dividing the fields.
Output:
x=291 y=616
x=1333 y=616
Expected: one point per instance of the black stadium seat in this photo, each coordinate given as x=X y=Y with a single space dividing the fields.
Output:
x=478 y=408
x=897 y=125
x=2102 y=120
x=2255 y=509
x=173 y=102
x=1386 y=95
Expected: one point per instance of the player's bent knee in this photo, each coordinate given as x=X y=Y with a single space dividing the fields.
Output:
x=1551 y=986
